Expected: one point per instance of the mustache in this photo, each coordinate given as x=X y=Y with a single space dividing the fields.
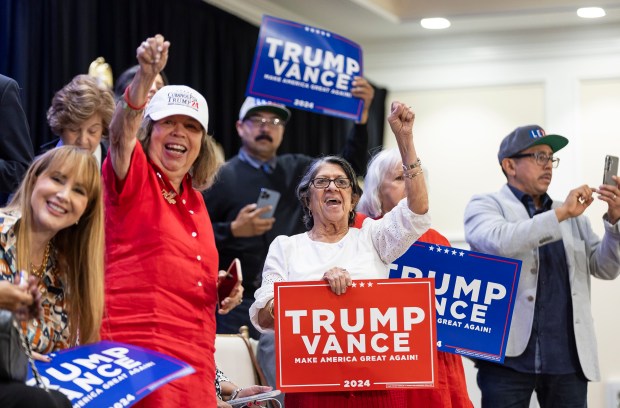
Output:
x=263 y=136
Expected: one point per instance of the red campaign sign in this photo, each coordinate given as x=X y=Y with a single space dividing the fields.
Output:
x=380 y=334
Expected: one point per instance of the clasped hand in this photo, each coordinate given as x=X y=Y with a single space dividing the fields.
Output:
x=152 y=54
x=24 y=299
x=401 y=120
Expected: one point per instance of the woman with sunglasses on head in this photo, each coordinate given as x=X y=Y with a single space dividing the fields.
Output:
x=329 y=193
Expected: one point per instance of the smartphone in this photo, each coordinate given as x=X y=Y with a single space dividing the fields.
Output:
x=611 y=169
x=268 y=197
x=227 y=282
x=264 y=396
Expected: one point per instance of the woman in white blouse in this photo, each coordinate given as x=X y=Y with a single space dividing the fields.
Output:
x=333 y=251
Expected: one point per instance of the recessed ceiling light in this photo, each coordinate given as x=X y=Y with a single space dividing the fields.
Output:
x=436 y=23
x=591 y=12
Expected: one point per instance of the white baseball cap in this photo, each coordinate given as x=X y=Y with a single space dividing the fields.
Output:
x=178 y=100
x=252 y=104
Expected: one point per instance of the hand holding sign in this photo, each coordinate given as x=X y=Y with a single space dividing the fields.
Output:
x=339 y=280
x=307 y=68
x=363 y=90
x=380 y=335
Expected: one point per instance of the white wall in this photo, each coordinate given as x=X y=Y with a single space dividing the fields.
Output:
x=469 y=92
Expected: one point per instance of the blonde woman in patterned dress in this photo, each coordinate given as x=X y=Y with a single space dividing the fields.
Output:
x=53 y=229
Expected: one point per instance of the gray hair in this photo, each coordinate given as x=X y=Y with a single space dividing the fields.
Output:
x=303 y=188
x=378 y=167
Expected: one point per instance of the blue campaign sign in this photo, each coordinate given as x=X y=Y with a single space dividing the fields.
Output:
x=474 y=296
x=306 y=68
x=109 y=374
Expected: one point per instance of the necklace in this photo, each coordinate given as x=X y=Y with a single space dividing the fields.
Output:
x=169 y=196
x=168 y=192
x=40 y=271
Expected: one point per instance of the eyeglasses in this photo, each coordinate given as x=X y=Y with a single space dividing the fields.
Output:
x=258 y=121
x=541 y=158
x=321 y=182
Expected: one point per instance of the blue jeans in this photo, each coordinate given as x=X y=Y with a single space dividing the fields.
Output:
x=504 y=387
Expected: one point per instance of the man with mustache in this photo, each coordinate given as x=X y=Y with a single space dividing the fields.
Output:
x=552 y=344
x=239 y=230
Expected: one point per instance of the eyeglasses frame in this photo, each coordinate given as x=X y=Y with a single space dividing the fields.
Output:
x=349 y=182
x=538 y=157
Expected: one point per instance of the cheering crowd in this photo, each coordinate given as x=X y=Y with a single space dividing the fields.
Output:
x=123 y=225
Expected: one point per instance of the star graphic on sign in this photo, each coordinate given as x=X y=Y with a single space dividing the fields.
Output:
x=453 y=252
x=462 y=253
x=432 y=248
x=361 y=284
x=446 y=251
x=370 y=284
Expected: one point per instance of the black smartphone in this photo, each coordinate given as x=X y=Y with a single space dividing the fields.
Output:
x=611 y=169
x=268 y=197
x=227 y=282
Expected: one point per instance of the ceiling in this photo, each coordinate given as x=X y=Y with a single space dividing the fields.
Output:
x=379 y=21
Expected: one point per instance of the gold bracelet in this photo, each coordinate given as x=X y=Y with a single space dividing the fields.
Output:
x=417 y=163
x=270 y=308
x=413 y=175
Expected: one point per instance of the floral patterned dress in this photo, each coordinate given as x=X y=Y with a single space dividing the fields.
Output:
x=49 y=332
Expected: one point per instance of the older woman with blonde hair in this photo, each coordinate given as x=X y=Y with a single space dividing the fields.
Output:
x=80 y=115
x=54 y=227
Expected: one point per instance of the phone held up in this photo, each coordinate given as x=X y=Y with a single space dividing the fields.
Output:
x=227 y=282
x=611 y=169
x=268 y=197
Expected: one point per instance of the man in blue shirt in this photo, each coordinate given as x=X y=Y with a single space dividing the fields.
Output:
x=552 y=344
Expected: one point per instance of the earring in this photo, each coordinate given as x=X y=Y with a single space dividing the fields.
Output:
x=76 y=223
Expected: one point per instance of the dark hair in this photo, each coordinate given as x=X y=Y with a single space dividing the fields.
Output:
x=126 y=77
x=303 y=188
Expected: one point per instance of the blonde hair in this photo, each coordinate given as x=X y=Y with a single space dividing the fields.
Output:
x=208 y=162
x=79 y=247
x=77 y=101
